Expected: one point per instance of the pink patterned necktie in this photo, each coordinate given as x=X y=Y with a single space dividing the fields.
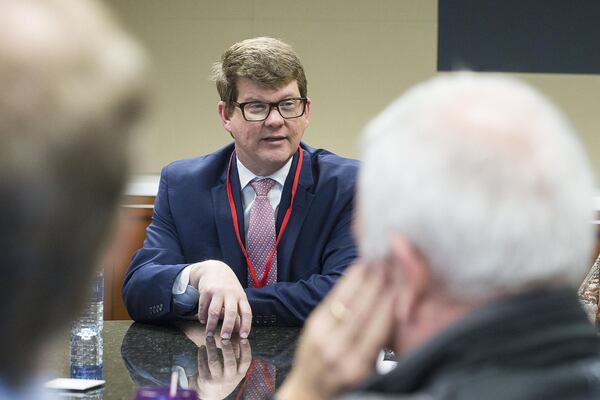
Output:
x=261 y=232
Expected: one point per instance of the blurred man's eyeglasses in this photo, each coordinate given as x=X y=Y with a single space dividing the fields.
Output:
x=255 y=111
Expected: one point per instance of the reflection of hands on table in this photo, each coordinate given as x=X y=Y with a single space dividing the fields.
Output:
x=343 y=336
x=222 y=364
x=222 y=297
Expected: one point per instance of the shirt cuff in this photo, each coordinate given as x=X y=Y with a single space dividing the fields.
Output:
x=181 y=281
x=185 y=305
x=185 y=297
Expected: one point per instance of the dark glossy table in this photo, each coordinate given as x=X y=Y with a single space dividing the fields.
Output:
x=137 y=355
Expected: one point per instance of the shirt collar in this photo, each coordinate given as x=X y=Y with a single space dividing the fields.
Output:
x=246 y=176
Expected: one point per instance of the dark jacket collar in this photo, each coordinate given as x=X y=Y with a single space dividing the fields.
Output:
x=529 y=330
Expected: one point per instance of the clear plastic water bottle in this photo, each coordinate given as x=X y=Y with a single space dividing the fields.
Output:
x=86 y=335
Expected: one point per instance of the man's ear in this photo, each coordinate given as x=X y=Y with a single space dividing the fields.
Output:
x=224 y=115
x=307 y=110
x=413 y=275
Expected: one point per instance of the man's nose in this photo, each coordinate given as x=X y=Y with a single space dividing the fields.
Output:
x=274 y=117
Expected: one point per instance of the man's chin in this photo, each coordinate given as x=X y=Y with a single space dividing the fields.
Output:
x=277 y=163
x=278 y=157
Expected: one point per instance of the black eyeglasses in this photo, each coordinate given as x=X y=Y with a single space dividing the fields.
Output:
x=255 y=111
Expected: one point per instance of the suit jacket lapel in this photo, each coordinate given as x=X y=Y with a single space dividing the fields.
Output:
x=300 y=209
x=230 y=248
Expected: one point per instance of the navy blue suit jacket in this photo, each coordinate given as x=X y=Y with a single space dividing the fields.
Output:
x=192 y=223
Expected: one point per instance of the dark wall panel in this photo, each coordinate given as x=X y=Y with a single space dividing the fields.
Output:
x=555 y=36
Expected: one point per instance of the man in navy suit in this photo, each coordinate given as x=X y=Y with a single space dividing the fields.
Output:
x=213 y=252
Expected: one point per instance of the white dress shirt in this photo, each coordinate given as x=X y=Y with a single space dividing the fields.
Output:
x=248 y=196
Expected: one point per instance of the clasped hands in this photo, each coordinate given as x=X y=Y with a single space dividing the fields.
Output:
x=222 y=297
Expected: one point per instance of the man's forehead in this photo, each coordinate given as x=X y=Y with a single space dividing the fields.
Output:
x=247 y=88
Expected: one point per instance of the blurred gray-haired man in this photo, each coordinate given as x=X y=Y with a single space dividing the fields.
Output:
x=475 y=210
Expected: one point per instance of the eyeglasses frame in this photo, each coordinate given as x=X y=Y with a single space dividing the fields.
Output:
x=271 y=107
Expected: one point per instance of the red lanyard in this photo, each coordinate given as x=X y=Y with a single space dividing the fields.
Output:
x=284 y=223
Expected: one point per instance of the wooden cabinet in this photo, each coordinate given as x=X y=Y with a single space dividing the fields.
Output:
x=134 y=216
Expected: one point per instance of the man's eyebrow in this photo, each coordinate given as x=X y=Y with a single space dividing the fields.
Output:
x=252 y=99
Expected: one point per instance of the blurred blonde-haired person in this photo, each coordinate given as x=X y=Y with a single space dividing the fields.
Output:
x=72 y=87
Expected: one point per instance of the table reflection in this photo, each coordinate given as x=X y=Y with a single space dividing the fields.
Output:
x=232 y=369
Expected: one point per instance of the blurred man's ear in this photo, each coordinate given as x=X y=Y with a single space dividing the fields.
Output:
x=412 y=273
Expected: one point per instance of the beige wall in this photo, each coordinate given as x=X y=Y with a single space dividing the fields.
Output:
x=358 y=56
